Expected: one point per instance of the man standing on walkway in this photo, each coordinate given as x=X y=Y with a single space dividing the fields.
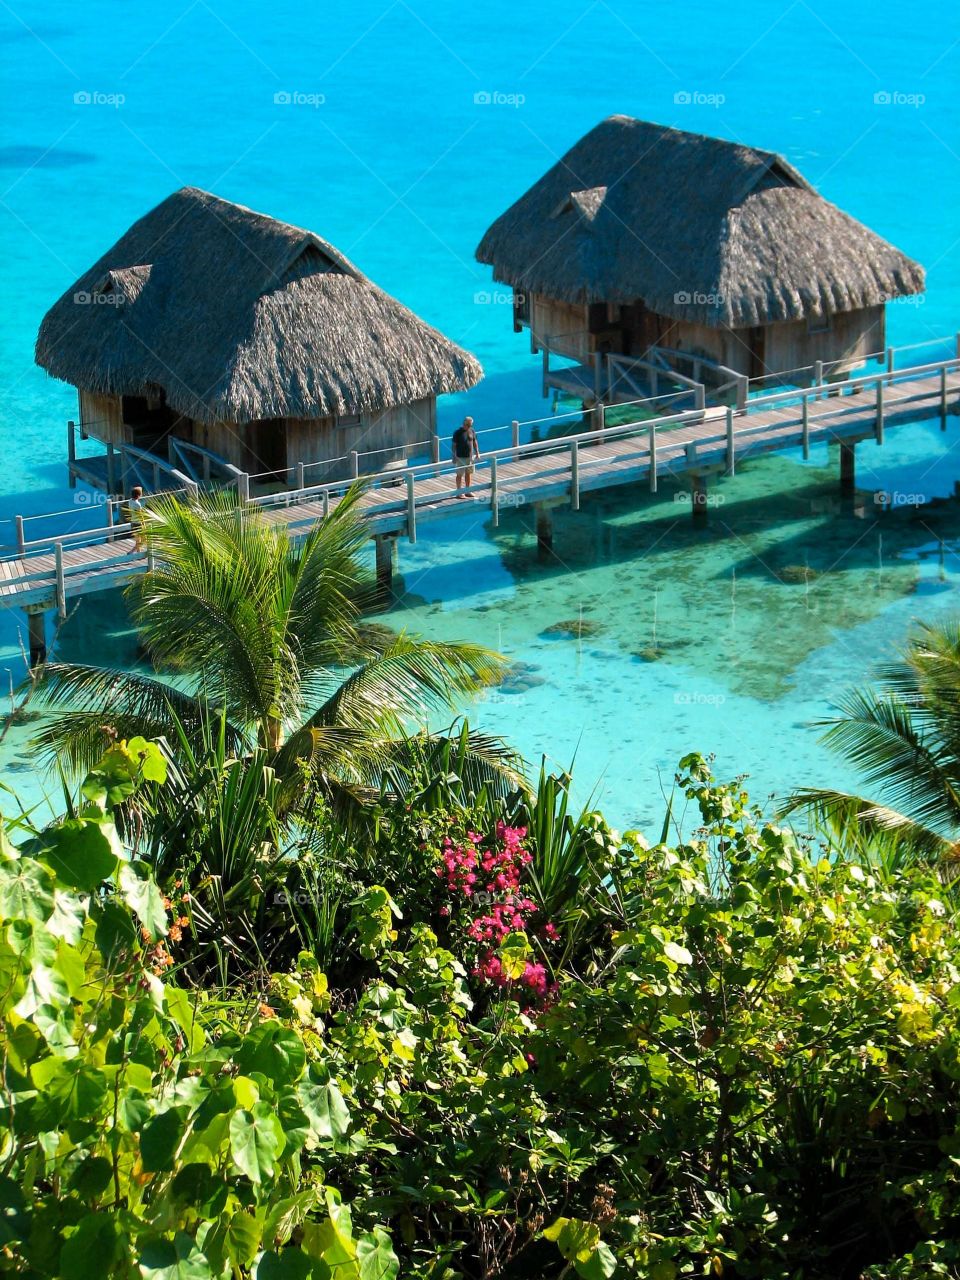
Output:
x=465 y=451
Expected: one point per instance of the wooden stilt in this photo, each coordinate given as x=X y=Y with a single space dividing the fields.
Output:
x=37 y=633
x=698 y=497
x=848 y=469
x=386 y=558
x=544 y=531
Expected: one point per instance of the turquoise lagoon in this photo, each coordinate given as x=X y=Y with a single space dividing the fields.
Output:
x=733 y=639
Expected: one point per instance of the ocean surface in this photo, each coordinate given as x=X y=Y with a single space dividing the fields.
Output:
x=399 y=131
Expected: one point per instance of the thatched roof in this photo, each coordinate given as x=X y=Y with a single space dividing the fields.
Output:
x=238 y=317
x=638 y=211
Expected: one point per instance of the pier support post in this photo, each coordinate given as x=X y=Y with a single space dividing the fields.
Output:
x=37 y=634
x=544 y=531
x=698 y=497
x=386 y=556
x=848 y=469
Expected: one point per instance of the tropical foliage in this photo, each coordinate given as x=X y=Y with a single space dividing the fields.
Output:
x=264 y=631
x=903 y=734
x=743 y=1061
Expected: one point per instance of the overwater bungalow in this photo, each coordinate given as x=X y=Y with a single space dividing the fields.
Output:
x=646 y=248
x=217 y=327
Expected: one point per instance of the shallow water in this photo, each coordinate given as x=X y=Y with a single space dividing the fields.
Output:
x=699 y=644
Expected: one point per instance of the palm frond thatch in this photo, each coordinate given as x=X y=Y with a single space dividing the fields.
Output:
x=700 y=229
x=238 y=318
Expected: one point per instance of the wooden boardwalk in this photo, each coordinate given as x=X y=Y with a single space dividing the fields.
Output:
x=697 y=444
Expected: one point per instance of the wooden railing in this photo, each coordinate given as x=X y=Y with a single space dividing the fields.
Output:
x=566 y=461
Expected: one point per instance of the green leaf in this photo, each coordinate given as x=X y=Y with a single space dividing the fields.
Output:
x=92 y=1250
x=176 y=1259
x=142 y=896
x=274 y=1051
x=26 y=890
x=181 y=1008
x=291 y=1264
x=679 y=955
x=160 y=1138
x=243 y=1239
x=375 y=1256
x=82 y=853
x=14 y=1221
x=255 y=1141
x=324 y=1107
x=68 y=1090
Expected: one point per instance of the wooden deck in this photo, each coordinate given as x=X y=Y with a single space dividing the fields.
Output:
x=696 y=444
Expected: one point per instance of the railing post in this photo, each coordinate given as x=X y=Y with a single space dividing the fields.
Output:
x=653 y=457
x=943 y=398
x=575 y=474
x=494 y=492
x=326 y=503
x=818 y=375
x=731 y=444
x=61 y=584
x=206 y=469
x=805 y=427
x=109 y=518
x=879 y=427
x=71 y=453
x=435 y=454
x=599 y=410
x=21 y=540
x=743 y=390
x=243 y=486
x=890 y=359
x=515 y=436
x=699 y=397
x=411 y=510
x=301 y=476
x=598 y=375
x=354 y=463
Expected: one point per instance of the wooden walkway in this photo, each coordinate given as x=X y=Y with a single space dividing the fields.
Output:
x=696 y=444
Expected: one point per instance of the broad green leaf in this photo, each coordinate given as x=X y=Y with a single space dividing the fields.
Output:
x=375 y=1256
x=176 y=1259
x=142 y=896
x=26 y=890
x=69 y=1089
x=82 y=853
x=255 y=1141
x=291 y=1264
x=181 y=1008
x=274 y=1051
x=243 y=1238
x=324 y=1107
x=160 y=1138
x=92 y=1250
x=679 y=955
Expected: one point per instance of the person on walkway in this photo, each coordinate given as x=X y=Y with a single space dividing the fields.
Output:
x=465 y=452
x=134 y=514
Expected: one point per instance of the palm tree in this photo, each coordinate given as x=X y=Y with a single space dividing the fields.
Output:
x=904 y=735
x=266 y=631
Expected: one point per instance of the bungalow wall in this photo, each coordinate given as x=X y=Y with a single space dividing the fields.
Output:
x=578 y=330
x=279 y=444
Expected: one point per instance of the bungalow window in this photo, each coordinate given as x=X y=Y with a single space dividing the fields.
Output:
x=349 y=420
x=820 y=324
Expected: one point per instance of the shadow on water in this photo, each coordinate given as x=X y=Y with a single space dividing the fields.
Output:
x=43 y=157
